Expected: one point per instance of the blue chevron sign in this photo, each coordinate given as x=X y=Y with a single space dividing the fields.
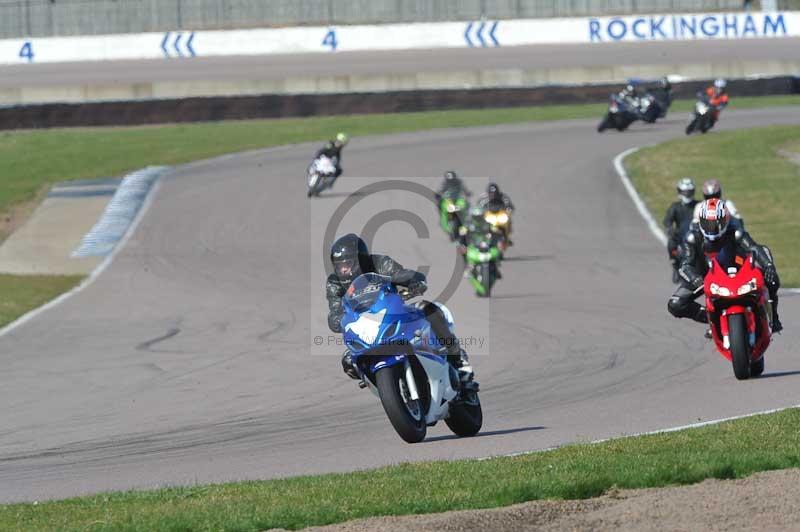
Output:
x=476 y=34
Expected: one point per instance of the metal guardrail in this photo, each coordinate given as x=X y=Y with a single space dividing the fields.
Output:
x=43 y=18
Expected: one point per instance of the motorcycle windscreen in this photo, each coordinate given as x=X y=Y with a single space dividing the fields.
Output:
x=365 y=290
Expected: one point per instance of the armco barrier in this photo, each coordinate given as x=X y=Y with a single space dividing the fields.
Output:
x=183 y=45
x=284 y=106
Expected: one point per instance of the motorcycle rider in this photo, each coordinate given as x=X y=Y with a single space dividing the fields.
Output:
x=662 y=91
x=677 y=220
x=452 y=185
x=717 y=95
x=716 y=236
x=630 y=94
x=713 y=189
x=333 y=150
x=495 y=200
x=351 y=258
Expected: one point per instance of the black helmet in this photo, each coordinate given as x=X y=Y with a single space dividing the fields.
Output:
x=493 y=192
x=450 y=175
x=349 y=256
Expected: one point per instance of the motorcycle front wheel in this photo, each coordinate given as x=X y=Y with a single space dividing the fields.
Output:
x=740 y=348
x=405 y=414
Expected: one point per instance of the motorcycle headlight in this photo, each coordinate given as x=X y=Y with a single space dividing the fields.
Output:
x=748 y=287
x=502 y=218
x=613 y=108
x=491 y=218
x=451 y=207
x=719 y=290
x=702 y=108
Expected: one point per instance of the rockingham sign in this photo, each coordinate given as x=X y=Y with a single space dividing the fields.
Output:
x=185 y=45
x=683 y=27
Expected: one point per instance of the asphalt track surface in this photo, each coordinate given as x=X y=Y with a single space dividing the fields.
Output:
x=188 y=359
x=271 y=67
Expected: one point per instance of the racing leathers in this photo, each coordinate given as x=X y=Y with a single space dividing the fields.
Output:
x=415 y=283
x=676 y=222
x=452 y=187
x=694 y=266
x=717 y=100
x=488 y=204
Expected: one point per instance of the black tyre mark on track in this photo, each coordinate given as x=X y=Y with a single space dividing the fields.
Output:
x=145 y=346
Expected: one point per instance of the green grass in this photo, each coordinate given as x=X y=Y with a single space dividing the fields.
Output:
x=764 y=185
x=30 y=160
x=730 y=450
x=22 y=293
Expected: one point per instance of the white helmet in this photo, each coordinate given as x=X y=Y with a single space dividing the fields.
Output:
x=720 y=83
x=686 y=190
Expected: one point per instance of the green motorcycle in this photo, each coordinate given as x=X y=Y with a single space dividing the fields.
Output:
x=483 y=256
x=452 y=207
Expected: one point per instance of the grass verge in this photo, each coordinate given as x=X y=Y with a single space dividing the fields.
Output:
x=764 y=184
x=730 y=450
x=22 y=293
x=30 y=160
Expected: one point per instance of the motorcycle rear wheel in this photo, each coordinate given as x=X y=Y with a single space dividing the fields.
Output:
x=405 y=415
x=740 y=348
x=466 y=418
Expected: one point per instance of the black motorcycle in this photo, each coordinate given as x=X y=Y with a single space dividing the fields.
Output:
x=620 y=115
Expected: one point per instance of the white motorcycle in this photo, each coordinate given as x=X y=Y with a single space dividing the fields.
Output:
x=321 y=175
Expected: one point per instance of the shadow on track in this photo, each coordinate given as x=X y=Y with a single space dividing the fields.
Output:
x=778 y=374
x=487 y=433
x=339 y=194
x=518 y=296
x=528 y=258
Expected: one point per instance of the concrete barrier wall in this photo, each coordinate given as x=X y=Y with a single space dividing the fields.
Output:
x=471 y=34
x=298 y=105
x=468 y=79
x=47 y=18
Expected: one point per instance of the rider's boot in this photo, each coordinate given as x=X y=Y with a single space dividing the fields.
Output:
x=458 y=358
x=777 y=326
x=348 y=366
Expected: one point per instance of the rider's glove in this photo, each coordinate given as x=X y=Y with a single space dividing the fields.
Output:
x=770 y=274
x=697 y=283
x=417 y=288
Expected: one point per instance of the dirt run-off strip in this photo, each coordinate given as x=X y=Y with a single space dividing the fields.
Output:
x=764 y=501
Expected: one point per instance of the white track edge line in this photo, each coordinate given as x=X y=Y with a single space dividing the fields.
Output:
x=25 y=318
x=649 y=433
x=642 y=208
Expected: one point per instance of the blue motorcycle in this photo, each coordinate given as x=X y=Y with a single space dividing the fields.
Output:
x=399 y=358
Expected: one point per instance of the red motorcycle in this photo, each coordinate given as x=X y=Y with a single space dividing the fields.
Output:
x=739 y=312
